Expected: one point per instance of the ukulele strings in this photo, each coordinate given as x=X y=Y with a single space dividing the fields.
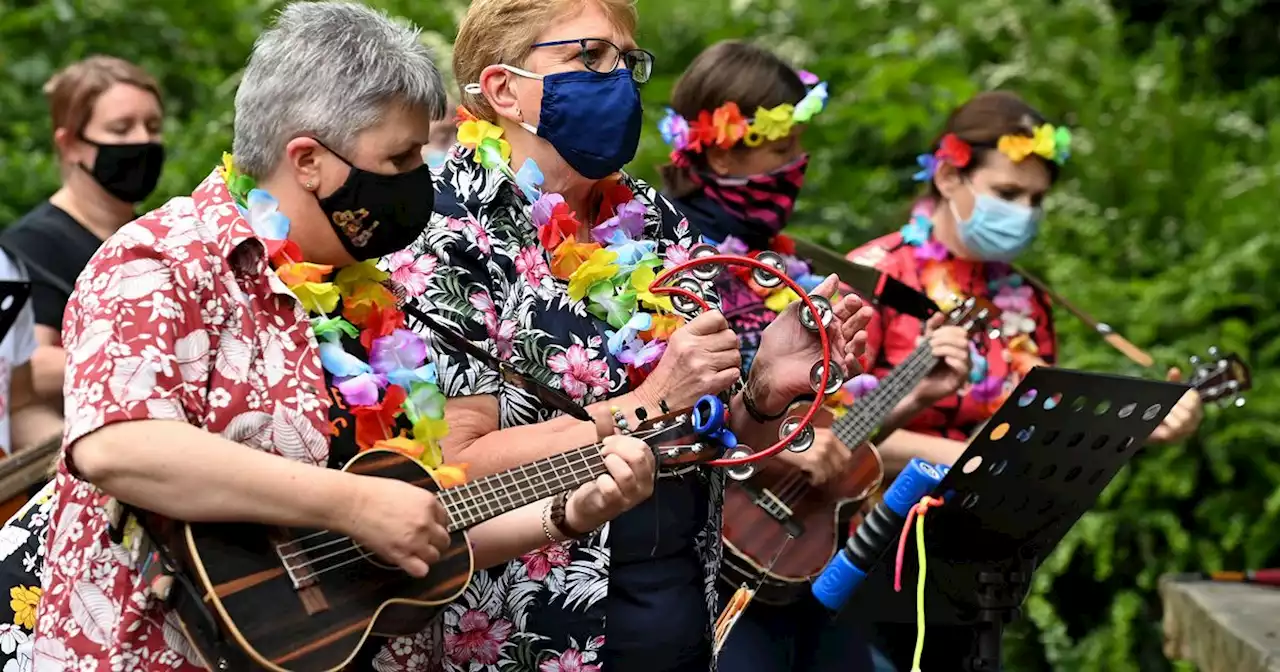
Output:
x=582 y=472
x=793 y=487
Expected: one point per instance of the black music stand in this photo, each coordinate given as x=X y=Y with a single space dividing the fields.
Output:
x=1036 y=467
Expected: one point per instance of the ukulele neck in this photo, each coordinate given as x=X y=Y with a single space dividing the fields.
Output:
x=866 y=415
x=494 y=495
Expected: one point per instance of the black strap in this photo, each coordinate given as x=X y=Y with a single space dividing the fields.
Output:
x=35 y=269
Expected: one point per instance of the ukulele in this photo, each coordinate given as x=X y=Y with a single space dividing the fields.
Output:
x=297 y=600
x=779 y=531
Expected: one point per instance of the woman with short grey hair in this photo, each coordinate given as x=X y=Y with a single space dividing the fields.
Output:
x=217 y=365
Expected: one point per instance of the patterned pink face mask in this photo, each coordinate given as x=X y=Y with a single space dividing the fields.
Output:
x=763 y=200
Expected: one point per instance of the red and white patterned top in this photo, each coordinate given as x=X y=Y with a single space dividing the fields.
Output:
x=177 y=317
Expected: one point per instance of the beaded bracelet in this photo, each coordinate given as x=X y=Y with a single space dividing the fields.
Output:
x=546 y=523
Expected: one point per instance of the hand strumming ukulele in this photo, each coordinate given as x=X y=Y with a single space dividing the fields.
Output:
x=299 y=600
x=778 y=530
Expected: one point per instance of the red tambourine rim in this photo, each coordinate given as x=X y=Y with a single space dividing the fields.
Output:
x=727 y=260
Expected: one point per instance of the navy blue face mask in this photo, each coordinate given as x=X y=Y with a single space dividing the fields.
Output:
x=592 y=119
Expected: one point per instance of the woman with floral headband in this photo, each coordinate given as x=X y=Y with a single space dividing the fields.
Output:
x=990 y=169
x=544 y=254
x=737 y=117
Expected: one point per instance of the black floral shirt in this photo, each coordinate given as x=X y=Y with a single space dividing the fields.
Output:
x=488 y=276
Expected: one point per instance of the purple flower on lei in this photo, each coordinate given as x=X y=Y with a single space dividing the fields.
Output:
x=732 y=246
x=795 y=267
x=626 y=224
x=542 y=208
x=640 y=354
x=988 y=390
x=807 y=78
x=674 y=130
x=861 y=385
x=399 y=356
x=1014 y=299
x=363 y=389
x=932 y=251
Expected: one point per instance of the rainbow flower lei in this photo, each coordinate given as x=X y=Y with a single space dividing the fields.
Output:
x=612 y=273
x=726 y=126
x=395 y=379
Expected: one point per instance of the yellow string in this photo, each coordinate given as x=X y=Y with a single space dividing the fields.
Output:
x=915 y=659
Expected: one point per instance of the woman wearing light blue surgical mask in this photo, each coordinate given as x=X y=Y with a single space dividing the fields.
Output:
x=986 y=176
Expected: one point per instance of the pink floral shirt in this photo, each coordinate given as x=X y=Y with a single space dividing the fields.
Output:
x=177 y=317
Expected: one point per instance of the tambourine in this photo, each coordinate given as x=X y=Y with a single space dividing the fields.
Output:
x=690 y=282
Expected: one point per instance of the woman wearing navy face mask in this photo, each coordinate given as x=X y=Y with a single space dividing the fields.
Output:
x=543 y=253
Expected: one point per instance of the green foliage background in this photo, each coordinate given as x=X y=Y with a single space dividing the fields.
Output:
x=1164 y=224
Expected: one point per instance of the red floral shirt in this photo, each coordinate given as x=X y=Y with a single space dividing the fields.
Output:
x=892 y=336
x=177 y=317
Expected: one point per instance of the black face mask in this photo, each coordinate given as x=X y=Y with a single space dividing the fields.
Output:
x=376 y=215
x=127 y=172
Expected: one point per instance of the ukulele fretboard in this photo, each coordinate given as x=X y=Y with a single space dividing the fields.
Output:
x=866 y=415
x=499 y=493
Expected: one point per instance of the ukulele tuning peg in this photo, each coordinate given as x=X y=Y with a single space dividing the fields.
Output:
x=764 y=278
x=1195 y=360
x=1238 y=403
x=834 y=380
x=705 y=272
x=743 y=471
x=1214 y=352
x=824 y=312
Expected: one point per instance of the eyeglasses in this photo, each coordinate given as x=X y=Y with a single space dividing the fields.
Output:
x=547 y=396
x=604 y=56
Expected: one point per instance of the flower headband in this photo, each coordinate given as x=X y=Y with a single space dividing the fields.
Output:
x=1047 y=141
x=726 y=126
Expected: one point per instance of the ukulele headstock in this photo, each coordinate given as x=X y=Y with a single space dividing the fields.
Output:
x=688 y=436
x=1221 y=377
x=974 y=312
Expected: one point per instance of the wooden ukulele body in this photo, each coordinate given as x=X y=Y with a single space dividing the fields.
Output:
x=321 y=625
x=753 y=534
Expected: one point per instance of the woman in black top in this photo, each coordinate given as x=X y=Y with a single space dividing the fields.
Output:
x=106 y=119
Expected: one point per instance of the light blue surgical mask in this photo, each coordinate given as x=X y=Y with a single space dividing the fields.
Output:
x=435 y=158
x=998 y=230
